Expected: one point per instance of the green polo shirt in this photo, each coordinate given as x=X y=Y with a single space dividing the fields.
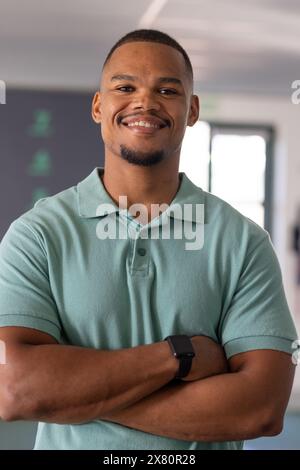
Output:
x=60 y=274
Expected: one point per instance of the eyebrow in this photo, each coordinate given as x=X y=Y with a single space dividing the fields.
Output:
x=133 y=78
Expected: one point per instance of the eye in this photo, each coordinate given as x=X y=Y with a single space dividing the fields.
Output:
x=168 y=91
x=125 y=88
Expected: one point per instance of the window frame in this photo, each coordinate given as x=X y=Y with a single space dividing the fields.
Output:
x=269 y=133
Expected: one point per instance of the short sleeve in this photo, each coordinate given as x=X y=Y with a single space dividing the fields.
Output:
x=258 y=316
x=25 y=293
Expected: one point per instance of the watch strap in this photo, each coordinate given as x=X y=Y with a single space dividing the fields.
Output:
x=185 y=363
x=182 y=348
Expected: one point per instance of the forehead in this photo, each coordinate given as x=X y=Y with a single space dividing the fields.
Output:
x=146 y=57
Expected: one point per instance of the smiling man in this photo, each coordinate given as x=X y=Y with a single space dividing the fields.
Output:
x=144 y=106
x=135 y=342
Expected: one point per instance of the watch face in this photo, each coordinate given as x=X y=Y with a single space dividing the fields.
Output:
x=181 y=345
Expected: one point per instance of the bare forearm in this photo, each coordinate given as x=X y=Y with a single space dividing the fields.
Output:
x=67 y=384
x=220 y=408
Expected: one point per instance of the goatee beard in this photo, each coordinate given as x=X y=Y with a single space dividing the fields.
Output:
x=141 y=158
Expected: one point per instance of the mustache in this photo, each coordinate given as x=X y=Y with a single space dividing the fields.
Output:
x=120 y=118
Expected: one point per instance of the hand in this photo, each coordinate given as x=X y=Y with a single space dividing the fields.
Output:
x=209 y=359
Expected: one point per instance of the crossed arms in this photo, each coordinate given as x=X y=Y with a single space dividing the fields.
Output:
x=243 y=398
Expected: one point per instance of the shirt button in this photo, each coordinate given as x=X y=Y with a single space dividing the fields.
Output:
x=141 y=251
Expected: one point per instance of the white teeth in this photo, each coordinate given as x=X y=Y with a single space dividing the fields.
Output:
x=143 y=124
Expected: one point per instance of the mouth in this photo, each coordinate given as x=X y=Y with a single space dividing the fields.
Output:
x=144 y=125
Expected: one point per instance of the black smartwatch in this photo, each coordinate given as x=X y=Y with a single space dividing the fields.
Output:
x=182 y=348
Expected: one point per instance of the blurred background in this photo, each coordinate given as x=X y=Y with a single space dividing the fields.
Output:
x=245 y=148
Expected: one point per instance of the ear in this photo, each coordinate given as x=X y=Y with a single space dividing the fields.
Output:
x=194 y=110
x=96 y=112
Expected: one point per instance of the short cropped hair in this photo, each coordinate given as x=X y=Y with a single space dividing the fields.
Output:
x=151 y=35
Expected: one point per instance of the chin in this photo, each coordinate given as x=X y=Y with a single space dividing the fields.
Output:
x=142 y=157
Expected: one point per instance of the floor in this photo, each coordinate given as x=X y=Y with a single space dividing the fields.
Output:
x=289 y=439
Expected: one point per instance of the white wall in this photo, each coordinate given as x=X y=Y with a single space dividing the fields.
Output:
x=285 y=117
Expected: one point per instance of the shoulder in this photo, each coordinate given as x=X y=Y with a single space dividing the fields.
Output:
x=50 y=213
x=57 y=206
x=235 y=229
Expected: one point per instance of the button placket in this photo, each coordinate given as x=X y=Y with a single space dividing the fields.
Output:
x=140 y=259
x=141 y=251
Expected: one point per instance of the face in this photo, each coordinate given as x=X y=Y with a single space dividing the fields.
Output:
x=145 y=103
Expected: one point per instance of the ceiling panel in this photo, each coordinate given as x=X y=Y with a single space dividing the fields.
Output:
x=247 y=46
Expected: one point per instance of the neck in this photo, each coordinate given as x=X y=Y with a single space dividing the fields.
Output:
x=157 y=184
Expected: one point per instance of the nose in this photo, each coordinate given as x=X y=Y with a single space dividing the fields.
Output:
x=146 y=100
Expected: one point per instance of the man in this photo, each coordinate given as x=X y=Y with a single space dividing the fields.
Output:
x=85 y=315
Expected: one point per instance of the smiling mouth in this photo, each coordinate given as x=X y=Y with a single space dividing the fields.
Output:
x=144 y=128
x=144 y=124
x=139 y=123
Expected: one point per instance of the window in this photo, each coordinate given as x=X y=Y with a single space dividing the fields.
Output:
x=234 y=163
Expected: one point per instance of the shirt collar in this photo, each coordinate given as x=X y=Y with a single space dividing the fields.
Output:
x=94 y=201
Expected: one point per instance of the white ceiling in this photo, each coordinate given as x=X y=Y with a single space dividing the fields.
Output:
x=235 y=45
